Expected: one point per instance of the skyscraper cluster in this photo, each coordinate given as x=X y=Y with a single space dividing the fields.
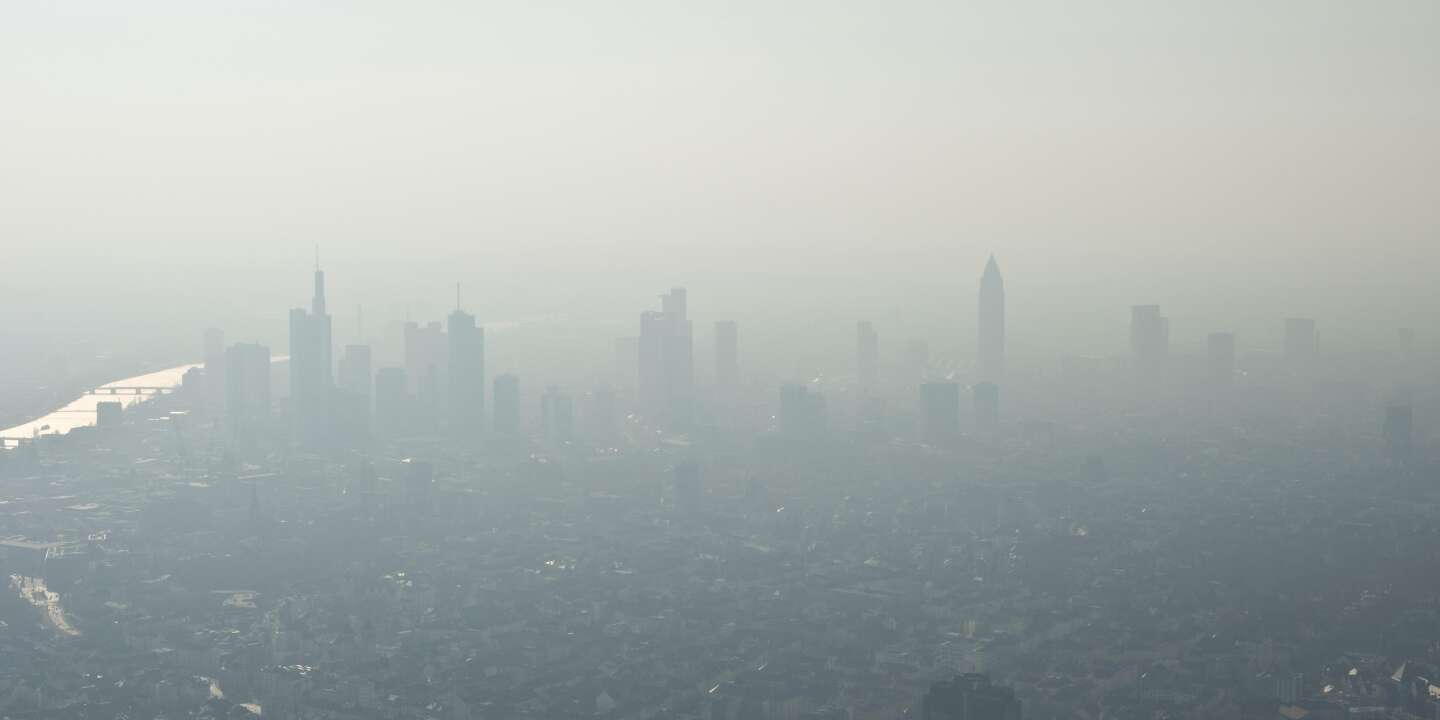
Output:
x=665 y=362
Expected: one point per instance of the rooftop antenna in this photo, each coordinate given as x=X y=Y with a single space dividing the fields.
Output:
x=317 y=257
x=457 y=296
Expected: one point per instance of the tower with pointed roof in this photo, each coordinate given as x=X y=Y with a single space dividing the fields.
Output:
x=311 y=374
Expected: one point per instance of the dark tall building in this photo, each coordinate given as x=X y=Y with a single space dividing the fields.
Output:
x=1220 y=350
x=727 y=354
x=247 y=388
x=311 y=378
x=466 y=399
x=666 y=361
x=867 y=358
x=109 y=413
x=970 y=697
x=557 y=417
x=990 y=345
x=392 y=401
x=1399 y=429
x=1302 y=342
x=1149 y=339
x=987 y=405
x=507 y=404
x=802 y=412
x=940 y=411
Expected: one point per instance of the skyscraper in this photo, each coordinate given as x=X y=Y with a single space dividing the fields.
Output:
x=351 y=401
x=867 y=358
x=354 y=371
x=666 y=361
x=940 y=411
x=990 y=345
x=426 y=361
x=727 y=353
x=1220 y=350
x=247 y=388
x=467 y=375
x=311 y=378
x=1149 y=339
x=507 y=404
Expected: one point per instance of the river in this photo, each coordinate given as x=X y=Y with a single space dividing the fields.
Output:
x=80 y=412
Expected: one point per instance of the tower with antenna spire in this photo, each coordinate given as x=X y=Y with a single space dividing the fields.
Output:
x=990 y=345
x=311 y=374
x=466 y=396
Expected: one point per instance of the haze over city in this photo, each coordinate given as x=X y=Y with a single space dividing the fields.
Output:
x=649 y=360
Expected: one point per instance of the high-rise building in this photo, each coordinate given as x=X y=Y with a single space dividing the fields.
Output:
x=1399 y=429
x=867 y=359
x=557 y=422
x=987 y=405
x=1149 y=339
x=392 y=401
x=970 y=697
x=467 y=376
x=354 y=371
x=990 y=361
x=727 y=354
x=1302 y=342
x=940 y=411
x=1220 y=352
x=350 y=408
x=507 y=404
x=311 y=378
x=802 y=412
x=247 y=388
x=666 y=361
x=427 y=358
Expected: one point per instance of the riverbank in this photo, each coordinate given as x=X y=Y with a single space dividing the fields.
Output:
x=79 y=410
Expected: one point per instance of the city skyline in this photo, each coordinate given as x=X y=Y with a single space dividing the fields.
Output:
x=818 y=360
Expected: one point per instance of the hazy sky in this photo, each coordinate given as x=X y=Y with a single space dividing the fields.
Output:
x=168 y=164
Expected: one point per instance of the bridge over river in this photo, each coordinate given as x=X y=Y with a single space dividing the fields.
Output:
x=80 y=412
